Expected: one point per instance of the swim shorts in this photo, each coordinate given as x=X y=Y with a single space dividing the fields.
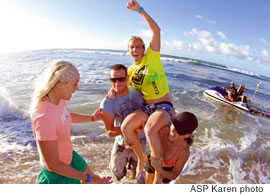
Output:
x=47 y=177
x=123 y=159
x=150 y=169
x=151 y=108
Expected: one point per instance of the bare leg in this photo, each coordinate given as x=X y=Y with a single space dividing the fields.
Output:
x=129 y=128
x=243 y=99
x=227 y=98
x=154 y=124
x=230 y=97
x=149 y=178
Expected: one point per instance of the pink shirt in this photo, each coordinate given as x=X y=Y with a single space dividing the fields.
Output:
x=52 y=123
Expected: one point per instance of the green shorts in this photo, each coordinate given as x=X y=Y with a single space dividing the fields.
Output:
x=47 y=177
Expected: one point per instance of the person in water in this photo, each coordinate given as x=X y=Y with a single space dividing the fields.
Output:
x=147 y=75
x=127 y=99
x=51 y=121
x=176 y=140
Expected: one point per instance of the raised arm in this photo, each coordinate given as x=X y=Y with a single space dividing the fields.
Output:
x=153 y=26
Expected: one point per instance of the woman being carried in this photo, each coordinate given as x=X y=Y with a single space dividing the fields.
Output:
x=147 y=75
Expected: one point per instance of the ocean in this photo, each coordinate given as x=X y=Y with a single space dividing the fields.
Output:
x=230 y=145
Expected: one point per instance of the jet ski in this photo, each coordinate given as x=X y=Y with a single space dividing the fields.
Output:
x=218 y=94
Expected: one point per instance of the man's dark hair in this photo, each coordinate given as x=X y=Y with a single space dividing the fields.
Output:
x=119 y=67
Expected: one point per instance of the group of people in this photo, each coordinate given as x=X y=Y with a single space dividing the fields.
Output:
x=235 y=94
x=136 y=111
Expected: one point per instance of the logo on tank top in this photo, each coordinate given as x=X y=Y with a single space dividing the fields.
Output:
x=155 y=88
x=139 y=75
x=64 y=115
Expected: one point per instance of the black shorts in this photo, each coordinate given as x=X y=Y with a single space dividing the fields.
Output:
x=150 y=169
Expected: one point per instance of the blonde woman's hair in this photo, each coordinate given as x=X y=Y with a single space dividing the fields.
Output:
x=136 y=37
x=61 y=71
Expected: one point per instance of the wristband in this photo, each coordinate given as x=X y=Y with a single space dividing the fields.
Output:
x=141 y=8
x=88 y=178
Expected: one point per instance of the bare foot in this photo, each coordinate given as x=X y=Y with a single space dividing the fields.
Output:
x=140 y=166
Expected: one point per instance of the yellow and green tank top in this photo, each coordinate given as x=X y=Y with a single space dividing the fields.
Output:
x=148 y=76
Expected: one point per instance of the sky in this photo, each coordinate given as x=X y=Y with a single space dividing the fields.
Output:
x=228 y=32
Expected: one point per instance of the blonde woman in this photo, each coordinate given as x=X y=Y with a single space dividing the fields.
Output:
x=147 y=75
x=51 y=121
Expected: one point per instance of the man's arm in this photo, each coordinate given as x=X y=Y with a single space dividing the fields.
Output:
x=153 y=26
x=108 y=120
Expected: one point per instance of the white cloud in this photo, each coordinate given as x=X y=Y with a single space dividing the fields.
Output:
x=226 y=48
x=198 y=16
x=206 y=42
x=210 y=49
x=199 y=34
x=205 y=19
x=265 y=53
x=239 y=51
x=263 y=41
x=174 y=45
x=265 y=56
x=222 y=35
x=145 y=33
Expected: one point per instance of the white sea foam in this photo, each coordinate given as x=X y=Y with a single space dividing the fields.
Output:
x=102 y=52
x=3 y=98
x=247 y=140
x=7 y=109
x=213 y=154
x=243 y=71
x=8 y=145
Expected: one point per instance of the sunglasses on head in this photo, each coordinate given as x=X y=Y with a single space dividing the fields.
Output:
x=120 y=79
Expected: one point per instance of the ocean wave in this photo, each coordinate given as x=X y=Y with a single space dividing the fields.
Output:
x=221 y=161
x=244 y=71
x=93 y=51
x=8 y=109
x=15 y=127
x=164 y=57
